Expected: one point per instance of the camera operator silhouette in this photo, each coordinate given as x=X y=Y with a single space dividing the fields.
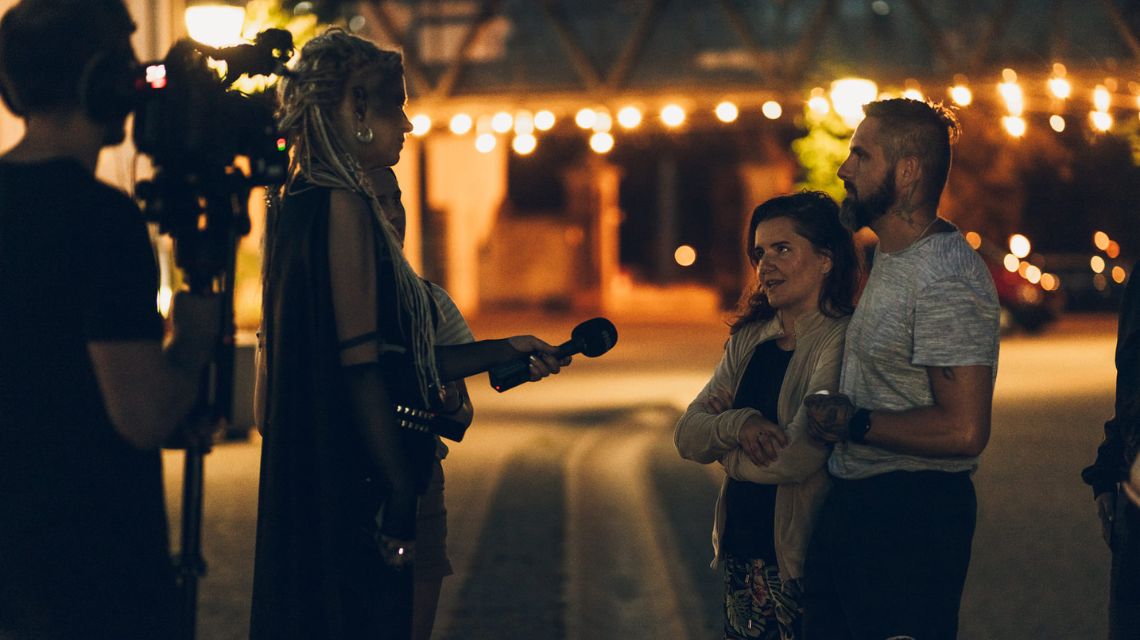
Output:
x=88 y=388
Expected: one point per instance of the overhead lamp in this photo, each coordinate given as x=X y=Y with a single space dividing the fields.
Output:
x=848 y=95
x=215 y=23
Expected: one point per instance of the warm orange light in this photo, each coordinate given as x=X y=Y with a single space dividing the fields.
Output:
x=1100 y=240
x=602 y=142
x=1113 y=249
x=961 y=95
x=1101 y=98
x=727 y=112
x=585 y=118
x=603 y=121
x=1033 y=274
x=1060 y=88
x=629 y=117
x=524 y=123
x=544 y=120
x=1023 y=269
x=1097 y=264
x=502 y=122
x=1057 y=123
x=685 y=255
x=1119 y=275
x=1011 y=263
x=1014 y=126
x=485 y=142
x=421 y=125
x=1050 y=282
x=1019 y=245
x=1101 y=120
x=524 y=144
x=974 y=239
x=673 y=115
x=460 y=124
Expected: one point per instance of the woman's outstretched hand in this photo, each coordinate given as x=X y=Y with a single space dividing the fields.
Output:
x=542 y=356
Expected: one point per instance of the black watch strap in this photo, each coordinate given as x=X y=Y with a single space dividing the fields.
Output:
x=859 y=425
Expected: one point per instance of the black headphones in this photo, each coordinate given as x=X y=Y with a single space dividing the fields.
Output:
x=108 y=85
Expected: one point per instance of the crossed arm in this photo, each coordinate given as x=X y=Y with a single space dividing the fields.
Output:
x=957 y=424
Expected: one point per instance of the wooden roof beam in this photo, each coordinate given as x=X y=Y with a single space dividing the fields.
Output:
x=412 y=67
x=619 y=72
x=487 y=10
x=574 y=51
x=1122 y=27
x=739 y=24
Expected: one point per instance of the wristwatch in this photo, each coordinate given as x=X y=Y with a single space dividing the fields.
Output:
x=859 y=425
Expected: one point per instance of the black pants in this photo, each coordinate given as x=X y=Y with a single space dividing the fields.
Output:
x=1124 y=592
x=889 y=557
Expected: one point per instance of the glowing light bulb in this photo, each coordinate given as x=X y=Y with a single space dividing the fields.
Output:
x=1060 y=88
x=1057 y=123
x=421 y=125
x=673 y=115
x=1013 y=96
x=602 y=142
x=485 y=142
x=685 y=255
x=1101 y=120
x=524 y=123
x=848 y=95
x=772 y=110
x=460 y=124
x=544 y=120
x=1096 y=263
x=1014 y=125
x=1019 y=245
x=524 y=144
x=727 y=112
x=603 y=121
x=1101 y=98
x=629 y=117
x=585 y=118
x=1101 y=240
x=961 y=95
x=502 y=122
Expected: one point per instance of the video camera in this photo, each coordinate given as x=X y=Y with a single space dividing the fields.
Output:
x=209 y=145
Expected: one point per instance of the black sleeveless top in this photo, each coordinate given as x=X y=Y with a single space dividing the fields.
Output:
x=749 y=530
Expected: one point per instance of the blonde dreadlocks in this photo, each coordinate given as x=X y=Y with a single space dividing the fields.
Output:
x=308 y=97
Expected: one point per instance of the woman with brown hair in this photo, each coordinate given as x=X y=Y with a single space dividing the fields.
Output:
x=786 y=343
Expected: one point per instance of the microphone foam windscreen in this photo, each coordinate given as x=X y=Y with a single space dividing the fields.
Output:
x=595 y=337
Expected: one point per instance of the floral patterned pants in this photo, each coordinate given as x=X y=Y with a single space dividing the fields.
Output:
x=757 y=603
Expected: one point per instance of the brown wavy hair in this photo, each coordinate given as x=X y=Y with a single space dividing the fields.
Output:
x=815 y=216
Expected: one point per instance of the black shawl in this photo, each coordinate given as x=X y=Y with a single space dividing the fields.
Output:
x=317 y=571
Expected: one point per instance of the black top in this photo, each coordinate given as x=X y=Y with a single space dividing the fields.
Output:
x=1122 y=433
x=83 y=540
x=749 y=529
x=317 y=572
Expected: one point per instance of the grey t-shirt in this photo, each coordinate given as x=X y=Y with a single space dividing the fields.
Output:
x=932 y=304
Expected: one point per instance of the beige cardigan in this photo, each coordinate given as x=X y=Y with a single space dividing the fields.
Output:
x=800 y=470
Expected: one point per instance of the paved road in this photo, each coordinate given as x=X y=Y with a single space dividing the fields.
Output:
x=572 y=517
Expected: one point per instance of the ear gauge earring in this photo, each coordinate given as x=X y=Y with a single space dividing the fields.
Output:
x=363 y=133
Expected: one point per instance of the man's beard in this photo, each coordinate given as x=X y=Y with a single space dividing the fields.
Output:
x=856 y=212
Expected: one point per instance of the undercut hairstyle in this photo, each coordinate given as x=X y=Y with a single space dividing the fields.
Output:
x=309 y=98
x=924 y=130
x=815 y=216
x=47 y=46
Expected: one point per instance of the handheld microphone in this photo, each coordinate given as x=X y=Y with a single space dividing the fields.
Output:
x=591 y=338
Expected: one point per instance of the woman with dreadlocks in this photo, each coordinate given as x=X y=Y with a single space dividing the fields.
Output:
x=349 y=332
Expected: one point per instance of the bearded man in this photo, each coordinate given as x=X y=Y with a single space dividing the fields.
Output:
x=892 y=545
